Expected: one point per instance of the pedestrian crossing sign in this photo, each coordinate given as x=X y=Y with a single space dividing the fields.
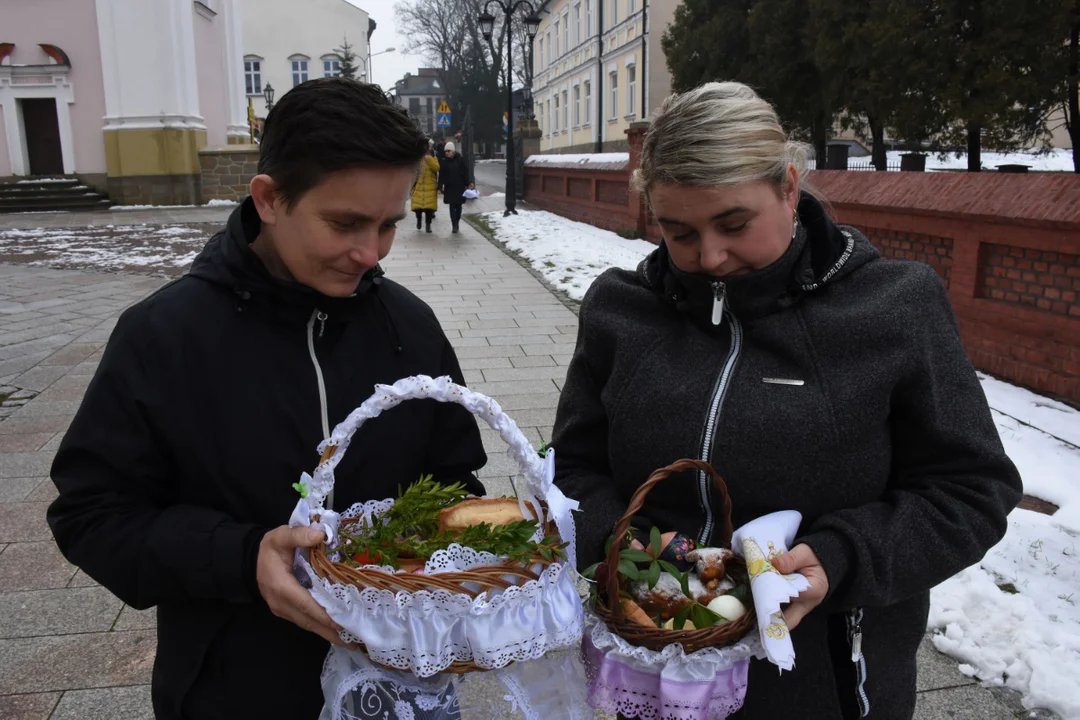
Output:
x=444 y=120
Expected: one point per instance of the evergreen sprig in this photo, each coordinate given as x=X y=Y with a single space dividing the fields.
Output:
x=410 y=529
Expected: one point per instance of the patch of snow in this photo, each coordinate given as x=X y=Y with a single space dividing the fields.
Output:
x=497 y=195
x=580 y=159
x=211 y=203
x=31 y=181
x=569 y=254
x=1029 y=640
x=141 y=248
x=1051 y=416
x=490 y=162
x=220 y=203
x=1057 y=159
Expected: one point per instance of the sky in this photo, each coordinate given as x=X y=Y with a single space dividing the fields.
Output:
x=391 y=67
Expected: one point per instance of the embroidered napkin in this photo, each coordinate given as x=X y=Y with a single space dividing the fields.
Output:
x=759 y=542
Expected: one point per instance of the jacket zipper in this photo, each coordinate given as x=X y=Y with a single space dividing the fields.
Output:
x=854 y=620
x=719 y=391
x=718 y=302
x=320 y=316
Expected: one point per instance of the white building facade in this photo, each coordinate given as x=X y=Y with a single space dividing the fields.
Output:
x=121 y=93
x=287 y=42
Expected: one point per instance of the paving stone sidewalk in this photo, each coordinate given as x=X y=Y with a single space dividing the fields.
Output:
x=69 y=648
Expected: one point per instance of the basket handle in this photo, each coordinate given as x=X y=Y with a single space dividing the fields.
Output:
x=442 y=389
x=636 y=503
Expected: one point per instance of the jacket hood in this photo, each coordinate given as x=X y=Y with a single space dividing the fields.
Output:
x=228 y=260
x=820 y=254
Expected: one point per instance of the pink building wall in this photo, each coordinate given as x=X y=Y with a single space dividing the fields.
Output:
x=71 y=25
x=211 y=66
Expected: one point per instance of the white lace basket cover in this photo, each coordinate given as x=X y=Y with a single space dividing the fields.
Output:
x=425 y=632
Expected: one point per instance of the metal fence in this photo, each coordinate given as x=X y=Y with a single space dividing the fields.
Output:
x=869 y=165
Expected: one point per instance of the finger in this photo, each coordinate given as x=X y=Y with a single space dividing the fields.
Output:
x=795 y=559
x=636 y=545
x=306 y=537
x=290 y=594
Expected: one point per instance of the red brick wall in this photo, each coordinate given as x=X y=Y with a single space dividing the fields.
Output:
x=934 y=251
x=1009 y=249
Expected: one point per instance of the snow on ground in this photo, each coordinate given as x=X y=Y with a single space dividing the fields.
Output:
x=568 y=254
x=210 y=203
x=1013 y=619
x=1057 y=159
x=136 y=248
x=580 y=158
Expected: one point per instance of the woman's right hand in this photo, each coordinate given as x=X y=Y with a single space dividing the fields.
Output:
x=285 y=596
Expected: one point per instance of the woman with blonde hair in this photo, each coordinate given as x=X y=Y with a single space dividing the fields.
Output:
x=814 y=375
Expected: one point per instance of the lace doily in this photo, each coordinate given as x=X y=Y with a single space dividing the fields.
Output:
x=550 y=687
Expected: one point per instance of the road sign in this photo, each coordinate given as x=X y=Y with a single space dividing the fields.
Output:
x=444 y=120
x=444 y=109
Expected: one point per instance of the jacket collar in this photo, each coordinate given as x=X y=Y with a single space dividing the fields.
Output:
x=820 y=253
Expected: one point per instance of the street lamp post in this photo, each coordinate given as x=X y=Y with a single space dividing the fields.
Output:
x=487 y=27
x=366 y=75
x=268 y=95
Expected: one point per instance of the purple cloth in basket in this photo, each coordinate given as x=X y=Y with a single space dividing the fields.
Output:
x=615 y=687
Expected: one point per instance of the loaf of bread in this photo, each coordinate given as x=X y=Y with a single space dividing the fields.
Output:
x=493 y=511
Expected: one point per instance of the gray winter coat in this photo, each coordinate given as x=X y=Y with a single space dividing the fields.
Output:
x=884 y=442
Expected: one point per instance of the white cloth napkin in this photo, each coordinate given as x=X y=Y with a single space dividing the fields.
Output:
x=759 y=542
x=471 y=194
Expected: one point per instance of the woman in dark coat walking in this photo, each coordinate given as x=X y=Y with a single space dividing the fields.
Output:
x=454 y=179
x=814 y=375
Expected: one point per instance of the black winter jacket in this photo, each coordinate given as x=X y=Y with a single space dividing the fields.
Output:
x=877 y=432
x=454 y=178
x=205 y=409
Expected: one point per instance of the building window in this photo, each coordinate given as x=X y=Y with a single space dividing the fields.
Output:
x=252 y=76
x=550 y=127
x=631 y=7
x=588 y=101
x=331 y=66
x=613 y=80
x=588 y=18
x=577 y=106
x=299 y=71
x=556 y=128
x=577 y=24
x=551 y=49
x=566 y=31
x=565 y=111
x=541 y=52
x=556 y=38
x=614 y=13
x=631 y=87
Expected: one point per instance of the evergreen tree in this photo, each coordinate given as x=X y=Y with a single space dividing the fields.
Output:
x=994 y=85
x=348 y=59
x=873 y=56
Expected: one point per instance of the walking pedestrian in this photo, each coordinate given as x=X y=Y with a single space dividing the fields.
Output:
x=454 y=179
x=175 y=477
x=829 y=380
x=425 y=191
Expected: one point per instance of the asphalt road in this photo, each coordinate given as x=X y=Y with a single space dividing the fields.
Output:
x=490 y=176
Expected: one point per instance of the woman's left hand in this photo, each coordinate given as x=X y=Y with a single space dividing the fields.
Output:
x=801 y=559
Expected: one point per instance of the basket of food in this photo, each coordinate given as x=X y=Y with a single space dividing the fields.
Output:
x=673 y=626
x=434 y=581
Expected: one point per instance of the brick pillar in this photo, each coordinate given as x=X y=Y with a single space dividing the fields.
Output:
x=635 y=201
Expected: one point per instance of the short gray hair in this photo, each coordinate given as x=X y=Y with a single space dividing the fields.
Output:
x=720 y=133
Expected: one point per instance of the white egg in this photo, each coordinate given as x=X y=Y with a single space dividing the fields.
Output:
x=727 y=607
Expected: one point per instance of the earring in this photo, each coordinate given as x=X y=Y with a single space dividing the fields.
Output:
x=795 y=224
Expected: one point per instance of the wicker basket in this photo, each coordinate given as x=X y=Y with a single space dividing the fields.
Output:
x=476 y=580
x=658 y=638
